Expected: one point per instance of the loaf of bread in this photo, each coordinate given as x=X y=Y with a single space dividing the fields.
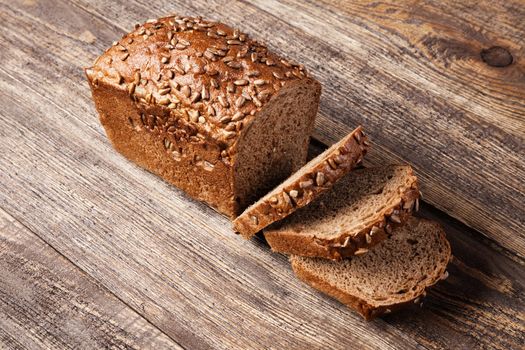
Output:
x=206 y=108
x=396 y=272
x=313 y=179
x=360 y=211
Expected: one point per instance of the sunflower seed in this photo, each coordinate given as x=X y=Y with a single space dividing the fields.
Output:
x=207 y=166
x=164 y=101
x=361 y=251
x=186 y=91
x=320 y=179
x=255 y=220
x=259 y=82
x=408 y=205
x=131 y=88
x=234 y=64
x=294 y=193
x=231 y=134
x=332 y=163
x=230 y=127
x=257 y=102
x=194 y=115
x=230 y=88
x=195 y=97
x=238 y=116
x=285 y=63
x=241 y=82
x=306 y=184
x=395 y=218
x=167 y=143
x=374 y=230
x=287 y=200
x=253 y=73
x=278 y=75
x=124 y=57
x=233 y=42
x=214 y=83
x=180 y=46
x=240 y=101
x=225 y=120
x=209 y=55
x=223 y=101
x=164 y=91
x=417 y=204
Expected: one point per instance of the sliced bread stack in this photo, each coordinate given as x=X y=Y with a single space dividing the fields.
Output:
x=352 y=236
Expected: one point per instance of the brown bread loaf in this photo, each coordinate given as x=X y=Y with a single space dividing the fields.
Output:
x=206 y=108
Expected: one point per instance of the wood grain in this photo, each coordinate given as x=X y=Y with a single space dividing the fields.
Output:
x=176 y=261
x=414 y=76
x=47 y=302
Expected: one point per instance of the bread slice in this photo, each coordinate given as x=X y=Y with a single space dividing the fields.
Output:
x=395 y=273
x=359 y=212
x=316 y=177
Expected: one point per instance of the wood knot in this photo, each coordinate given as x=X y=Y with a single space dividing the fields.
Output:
x=496 y=56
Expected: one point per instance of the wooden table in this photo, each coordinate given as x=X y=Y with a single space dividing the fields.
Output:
x=95 y=252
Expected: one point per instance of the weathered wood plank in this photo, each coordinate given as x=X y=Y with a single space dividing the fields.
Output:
x=47 y=302
x=173 y=260
x=413 y=75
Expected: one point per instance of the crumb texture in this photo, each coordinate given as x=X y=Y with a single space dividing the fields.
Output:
x=395 y=271
x=356 y=202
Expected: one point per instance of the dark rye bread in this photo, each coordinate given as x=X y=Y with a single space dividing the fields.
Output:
x=394 y=273
x=360 y=211
x=206 y=108
x=316 y=177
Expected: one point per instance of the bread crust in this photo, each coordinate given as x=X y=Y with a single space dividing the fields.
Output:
x=364 y=307
x=347 y=243
x=320 y=177
x=191 y=87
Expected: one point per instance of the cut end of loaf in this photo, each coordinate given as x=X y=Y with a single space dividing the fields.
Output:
x=394 y=273
x=360 y=211
x=316 y=177
x=275 y=145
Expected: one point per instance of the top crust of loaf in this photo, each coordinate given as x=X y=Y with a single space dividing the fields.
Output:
x=210 y=74
x=393 y=274
x=316 y=177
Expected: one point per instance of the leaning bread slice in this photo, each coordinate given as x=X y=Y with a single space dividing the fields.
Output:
x=314 y=178
x=359 y=212
x=394 y=273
